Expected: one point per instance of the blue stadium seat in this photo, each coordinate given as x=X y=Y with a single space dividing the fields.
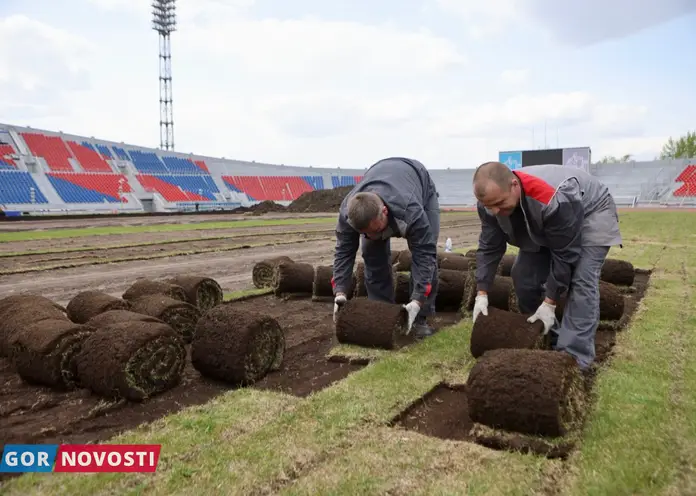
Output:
x=340 y=181
x=147 y=162
x=15 y=187
x=121 y=153
x=104 y=151
x=5 y=166
x=193 y=184
x=316 y=182
x=178 y=165
x=72 y=193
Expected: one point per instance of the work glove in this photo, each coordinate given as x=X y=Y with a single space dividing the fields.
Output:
x=339 y=301
x=480 y=305
x=546 y=313
x=412 y=308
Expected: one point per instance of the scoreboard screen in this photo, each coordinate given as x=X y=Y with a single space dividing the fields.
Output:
x=570 y=157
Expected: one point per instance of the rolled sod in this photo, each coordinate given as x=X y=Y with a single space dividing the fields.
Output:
x=502 y=329
x=201 y=291
x=471 y=253
x=394 y=256
x=402 y=288
x=505 y=266
x=88 y=304
x=372 y=324
x=179 y=315
x=292 y=278
x=538 y=392
x=403 y=261
x=321 y=284
x=262 y=272
x=44 y=352
x=619 y=272
x=500 y=295
x=450 y=290
x=359 y=289
x=133 y=360
x=22 y=311
x=144 y=287
x=455 y=261
x=115 y=316
x=237 y=346
x=611 y=303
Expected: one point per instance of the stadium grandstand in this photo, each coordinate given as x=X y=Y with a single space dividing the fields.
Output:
x=44 y=172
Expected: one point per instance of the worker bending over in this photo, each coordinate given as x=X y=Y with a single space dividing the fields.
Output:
x=563 y=220
x=396 y=198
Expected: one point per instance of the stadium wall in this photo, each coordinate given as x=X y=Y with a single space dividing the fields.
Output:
x=46 y=172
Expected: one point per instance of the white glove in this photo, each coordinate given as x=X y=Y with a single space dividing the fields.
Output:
x=339 y=301
x=481 y=305
x=545 y=313
x=412 y=308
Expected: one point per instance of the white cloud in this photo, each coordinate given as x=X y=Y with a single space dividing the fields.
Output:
x=515 y=77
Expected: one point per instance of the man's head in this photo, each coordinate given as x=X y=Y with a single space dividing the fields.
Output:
x=497 y=188
x=367 y=214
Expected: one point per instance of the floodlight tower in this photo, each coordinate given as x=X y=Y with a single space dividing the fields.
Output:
x=164 y=22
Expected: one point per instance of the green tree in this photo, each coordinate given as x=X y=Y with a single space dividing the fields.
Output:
x=610 y=159
x=684 y=147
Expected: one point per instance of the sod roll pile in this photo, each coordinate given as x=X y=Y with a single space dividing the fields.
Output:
x=201 y=291
x=619 y=272
x=321 y=285
x=450 y=290
x=372 y=324
x=44 y=352
x=116 y=316
x=403 y=261
x=537 y=392
x=455 y=261
x=19 y=311
x=402 y=287
x=88 y=304
x=502 y=329
x=505 y=266
x=132 y=360
x=262 y=272
x=237 y=346
x=500 y=295
x=293 y=278
x=179 y=315
x=144 y=287
x=611 y=303
x=359 y=289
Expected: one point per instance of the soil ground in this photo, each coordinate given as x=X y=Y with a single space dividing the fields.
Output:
x=443 y=412
x=232 y=269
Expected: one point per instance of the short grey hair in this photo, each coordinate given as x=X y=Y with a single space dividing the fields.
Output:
x=497 y=172
x=363 y=208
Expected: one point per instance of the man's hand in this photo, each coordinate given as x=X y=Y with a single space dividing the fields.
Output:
x=412 y=308
x=546 y=313
x=481 y=305
x=339 y=301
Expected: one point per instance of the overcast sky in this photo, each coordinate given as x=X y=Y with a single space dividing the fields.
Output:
x=347 y=82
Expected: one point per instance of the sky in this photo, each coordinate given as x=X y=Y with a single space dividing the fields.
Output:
x=347 y=83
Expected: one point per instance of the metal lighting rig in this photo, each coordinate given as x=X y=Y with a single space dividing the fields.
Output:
x=164 y=22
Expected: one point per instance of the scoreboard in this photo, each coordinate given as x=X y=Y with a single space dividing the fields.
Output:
x=578 y=157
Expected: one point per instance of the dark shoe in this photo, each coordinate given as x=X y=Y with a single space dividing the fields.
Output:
x=421 y=330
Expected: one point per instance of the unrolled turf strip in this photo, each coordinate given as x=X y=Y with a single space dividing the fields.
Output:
x=144 y=286
x=372 y=324
x=237 y=346
x=180 y=315
x=87 y=304
x=503 y=329
x=262 y=272
x=44 y=352
x=133 y=360
x=201 y=291
x=538 y=392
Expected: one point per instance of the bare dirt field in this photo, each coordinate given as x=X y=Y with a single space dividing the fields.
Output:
x=229 y=261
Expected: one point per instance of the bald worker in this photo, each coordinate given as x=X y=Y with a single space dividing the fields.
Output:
x=563 y=220
x=396 y=198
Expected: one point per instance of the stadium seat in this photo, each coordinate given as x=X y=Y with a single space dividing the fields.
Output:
x=180 y=188
x=88 y=158
x=178 y=165
x=89 y=187
x=51 y=148
x=16 y=187
x=147 y=162
x=341 y=181
x=688 y=177
x=201 y=164
x=103 y=150
x=274 y=188
x=6 y=162
x=120 y=153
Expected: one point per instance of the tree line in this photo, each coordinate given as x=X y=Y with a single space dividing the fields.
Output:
x=683 y=147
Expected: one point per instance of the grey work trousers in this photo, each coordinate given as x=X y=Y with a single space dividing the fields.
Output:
x=378 y=270
x=577 y=329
